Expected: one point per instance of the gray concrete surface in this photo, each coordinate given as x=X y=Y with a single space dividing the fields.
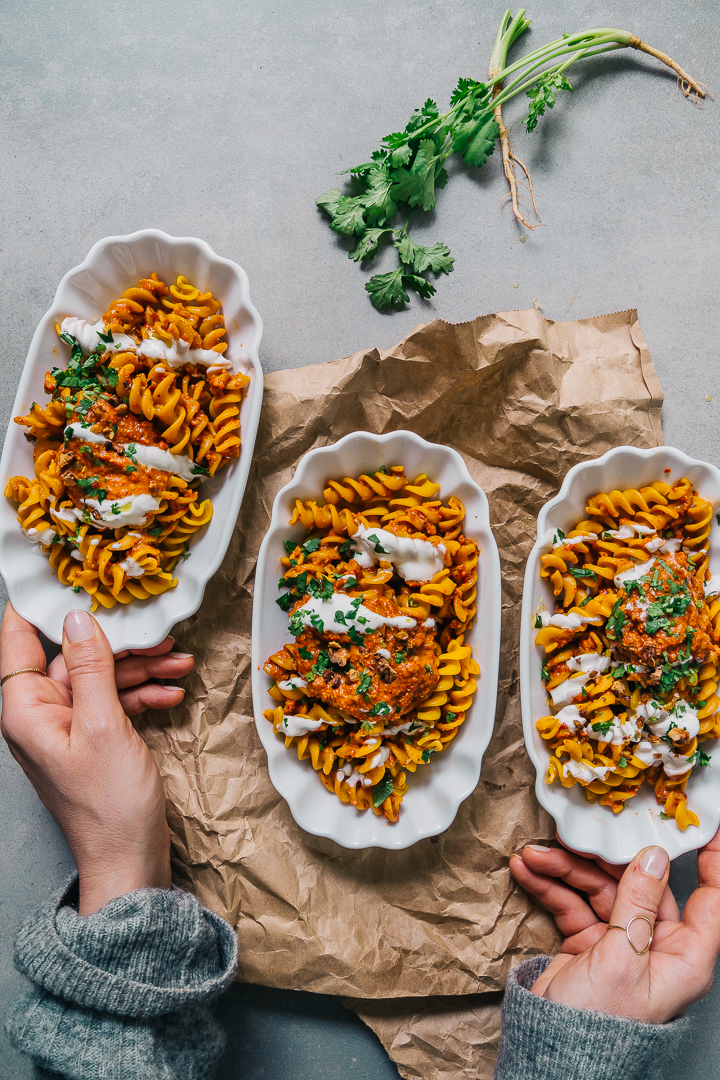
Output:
x=225 y=121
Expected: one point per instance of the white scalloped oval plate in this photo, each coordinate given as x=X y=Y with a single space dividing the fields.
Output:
x=435 y=793
x=113 y=265
x=581 y=825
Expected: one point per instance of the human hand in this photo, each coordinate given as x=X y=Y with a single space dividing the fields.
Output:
x=596 y=967
x=93 y=772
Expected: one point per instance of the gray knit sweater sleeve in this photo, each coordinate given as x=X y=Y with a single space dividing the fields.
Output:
x=123 y=994
x=542 y=1040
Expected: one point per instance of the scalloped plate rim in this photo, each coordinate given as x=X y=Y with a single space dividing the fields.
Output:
x=382 y=835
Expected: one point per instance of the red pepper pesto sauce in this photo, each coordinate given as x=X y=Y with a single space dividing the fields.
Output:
x=636 y=645
x=402 y=682
x=81 y=460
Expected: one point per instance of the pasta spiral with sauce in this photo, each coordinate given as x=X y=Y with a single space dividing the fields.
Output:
x=147 y=406
x=381 y=595
x=632 y=648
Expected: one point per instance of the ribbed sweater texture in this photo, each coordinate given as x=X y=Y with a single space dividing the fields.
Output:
x=542 y=1040
x=124 y=993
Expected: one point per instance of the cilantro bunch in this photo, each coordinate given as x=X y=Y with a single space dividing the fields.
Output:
x=405 y=172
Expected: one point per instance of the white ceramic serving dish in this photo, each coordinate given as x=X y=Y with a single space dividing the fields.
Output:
x=113 y=265
x=580 y=824
x=437 y=791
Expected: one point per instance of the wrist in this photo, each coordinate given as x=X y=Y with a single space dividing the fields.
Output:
x=102 y=879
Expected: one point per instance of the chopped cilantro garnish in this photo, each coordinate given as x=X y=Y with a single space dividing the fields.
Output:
x=700 y=757
x=290 y=546
x=317 y=622
x=198 y=470
x=364 y=685
x=311 y=545
x=559 y=535
x=321 y=588
x=664 y=816
x=399 y=657
x=378 y=546
x=538 y=622
x=426 y=755
x=603 y=727
x=286 y=601
x=114 y=508
x=355 y=637
x=582 y=572
x=383 y=789
x=305 y=653
x=544 y=672
x=76 y=588
x=347 y=549
x=381 y=709
x=319 y=666
x=622 y=762
x=349 y=583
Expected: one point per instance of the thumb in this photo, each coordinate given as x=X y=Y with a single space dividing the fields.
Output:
x=639 y=893
x=91 y=670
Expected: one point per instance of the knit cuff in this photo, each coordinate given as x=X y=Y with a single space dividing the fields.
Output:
x=148 y=953
x=543 y=1039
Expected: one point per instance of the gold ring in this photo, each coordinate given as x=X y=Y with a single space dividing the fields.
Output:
x=635 y=918
x=21 y=671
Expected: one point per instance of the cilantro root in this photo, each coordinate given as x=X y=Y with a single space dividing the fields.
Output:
x=403 y=175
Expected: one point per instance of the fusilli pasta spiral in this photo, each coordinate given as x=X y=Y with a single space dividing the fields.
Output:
x=381 y=596
x=632 y=648
x=147 y=406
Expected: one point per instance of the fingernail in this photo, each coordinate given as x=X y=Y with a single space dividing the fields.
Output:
x=174 y=688
x=179 y=655
x=78 y=626
x=655 y=862
x=538 y=847
x=516 y=856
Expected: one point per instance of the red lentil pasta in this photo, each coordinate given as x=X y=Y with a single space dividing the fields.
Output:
x=380 y=596
x=631 y=650
x=147 y=406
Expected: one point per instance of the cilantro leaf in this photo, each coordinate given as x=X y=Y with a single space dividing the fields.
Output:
x=355 y=637
x=700 y=757
x=475 y=138
x=426 y=755
x=383 y=789
x=364 y=685
x=419 y=258
x=542 y=96
x=367 y=245
x=305 y=653
x=286 y=601
x=349 y=217
x=387 y=290
x=311 y=545
x=381 y=709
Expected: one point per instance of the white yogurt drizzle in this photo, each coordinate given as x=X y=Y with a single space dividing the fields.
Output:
x=572 y=621
x=132 y=510
x=153 y=457
x=364 y=620
x=180 y=353
x=583 y=770
x=299 y=725
x=175 y=356
x=77 y=430
x=42 y=536
x=295 y=683
x=712 y=587
x=352 y=778
x=87 y=335
x=131 y=567
x=571 y=541
x=413 y=558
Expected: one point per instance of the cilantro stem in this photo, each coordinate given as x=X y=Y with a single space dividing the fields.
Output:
x=408 y=168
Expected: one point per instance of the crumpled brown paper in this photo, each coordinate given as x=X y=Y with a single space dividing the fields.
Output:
x=522 y=399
